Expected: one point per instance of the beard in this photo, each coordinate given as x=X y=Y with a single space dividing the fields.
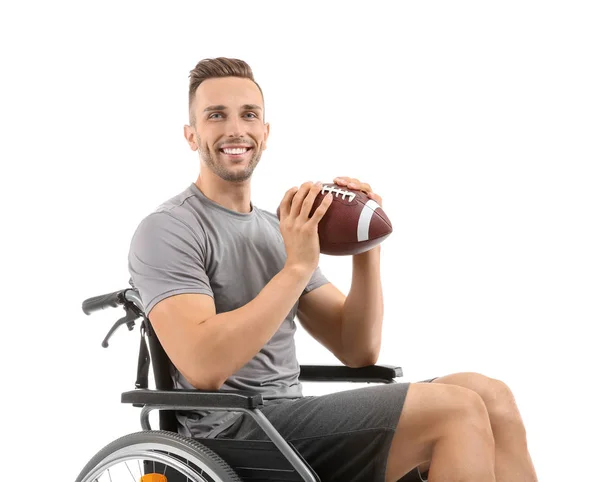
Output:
x=231 y=175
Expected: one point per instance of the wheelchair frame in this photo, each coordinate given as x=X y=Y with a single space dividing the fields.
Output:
x=274 y=460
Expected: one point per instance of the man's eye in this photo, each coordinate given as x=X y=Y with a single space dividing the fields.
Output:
x=212 y=116
x=252 y=114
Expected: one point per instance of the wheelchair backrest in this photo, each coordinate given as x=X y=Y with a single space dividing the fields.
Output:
x=161 y=367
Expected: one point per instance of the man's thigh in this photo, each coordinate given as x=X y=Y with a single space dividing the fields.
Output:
x=344 y=436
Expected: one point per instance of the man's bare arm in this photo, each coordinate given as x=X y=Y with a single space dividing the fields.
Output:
x=355 y=329
x=348 y=326
x=207 y=347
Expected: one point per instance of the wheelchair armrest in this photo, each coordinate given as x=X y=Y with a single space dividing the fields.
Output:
x=193 y=398
x=341 y=373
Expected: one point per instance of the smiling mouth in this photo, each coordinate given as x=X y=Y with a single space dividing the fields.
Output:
x=235 y=151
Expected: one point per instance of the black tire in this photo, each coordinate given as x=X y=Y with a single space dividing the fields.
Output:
x=190 y=450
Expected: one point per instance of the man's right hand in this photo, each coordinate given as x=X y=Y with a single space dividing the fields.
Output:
x=299 y=231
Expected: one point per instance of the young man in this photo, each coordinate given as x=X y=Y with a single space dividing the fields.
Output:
x=222 y=282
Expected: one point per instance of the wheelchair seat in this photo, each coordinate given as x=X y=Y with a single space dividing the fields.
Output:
x=179 y=458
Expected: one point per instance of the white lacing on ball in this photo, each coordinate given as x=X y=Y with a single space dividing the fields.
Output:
x=339 y=191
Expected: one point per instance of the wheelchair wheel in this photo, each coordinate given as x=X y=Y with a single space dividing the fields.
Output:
x=167 y=455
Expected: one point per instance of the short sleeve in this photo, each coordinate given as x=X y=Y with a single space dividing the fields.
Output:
x=167 y=258
x=318 y=279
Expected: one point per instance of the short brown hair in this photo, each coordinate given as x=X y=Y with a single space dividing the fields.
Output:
x=215 y=68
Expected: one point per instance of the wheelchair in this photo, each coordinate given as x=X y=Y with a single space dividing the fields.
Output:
x=164 y=455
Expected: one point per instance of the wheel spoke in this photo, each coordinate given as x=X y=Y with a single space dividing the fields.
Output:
x=127 y=465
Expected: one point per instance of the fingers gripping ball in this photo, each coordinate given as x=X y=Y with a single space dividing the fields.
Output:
x=353 y=224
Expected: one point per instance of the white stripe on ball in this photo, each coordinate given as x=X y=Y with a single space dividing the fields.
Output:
x=364 y=221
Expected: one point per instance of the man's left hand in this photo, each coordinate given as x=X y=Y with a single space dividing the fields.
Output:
x=353 y=183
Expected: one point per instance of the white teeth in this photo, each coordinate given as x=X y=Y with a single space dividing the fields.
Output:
x=237 y=150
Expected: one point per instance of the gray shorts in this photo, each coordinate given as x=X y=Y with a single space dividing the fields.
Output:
x=344 y=436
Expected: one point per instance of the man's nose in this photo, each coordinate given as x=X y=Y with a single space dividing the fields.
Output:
x=234 y=127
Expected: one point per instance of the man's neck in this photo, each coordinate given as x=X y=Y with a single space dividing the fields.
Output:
x=230 y=195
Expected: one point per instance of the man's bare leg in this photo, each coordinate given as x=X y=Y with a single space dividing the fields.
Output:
x=448 y=427
x=513 y=462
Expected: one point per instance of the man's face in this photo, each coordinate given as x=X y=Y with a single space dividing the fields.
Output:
x=229 y=132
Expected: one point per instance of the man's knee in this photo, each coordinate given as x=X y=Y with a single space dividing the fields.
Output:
x=439 y=409
x=497 y=396
x=501 y=404
x=464 y=407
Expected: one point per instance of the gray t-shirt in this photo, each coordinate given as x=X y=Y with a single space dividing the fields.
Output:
x=191 y=244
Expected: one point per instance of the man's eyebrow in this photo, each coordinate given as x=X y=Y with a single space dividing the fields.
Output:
x=222 y=107
x=215 y=107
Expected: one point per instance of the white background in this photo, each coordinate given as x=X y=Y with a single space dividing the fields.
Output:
x=477 y=122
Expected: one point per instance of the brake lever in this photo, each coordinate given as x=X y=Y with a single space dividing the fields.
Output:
x=128 y=319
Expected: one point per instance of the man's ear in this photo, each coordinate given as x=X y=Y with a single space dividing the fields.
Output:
x=190 y=136
x=266 y=137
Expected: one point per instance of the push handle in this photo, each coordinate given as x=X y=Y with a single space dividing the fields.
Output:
x=110 y=300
